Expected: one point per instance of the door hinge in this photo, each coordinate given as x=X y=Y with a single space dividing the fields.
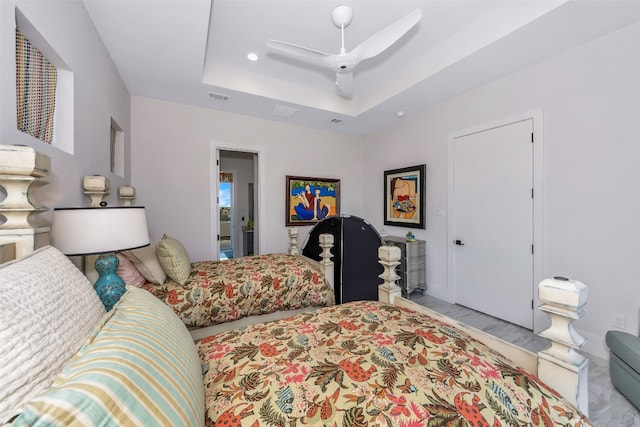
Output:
x=532 y=137
x=532 y=193
x=218 y=237
x=531 y=304
x=531 y=248
x=217 y=162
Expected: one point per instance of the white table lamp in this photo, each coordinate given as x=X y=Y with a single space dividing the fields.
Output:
x=101 y=231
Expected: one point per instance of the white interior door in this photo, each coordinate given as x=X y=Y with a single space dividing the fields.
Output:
x=493 y=222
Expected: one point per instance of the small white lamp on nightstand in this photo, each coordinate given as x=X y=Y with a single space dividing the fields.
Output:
x=103 y=231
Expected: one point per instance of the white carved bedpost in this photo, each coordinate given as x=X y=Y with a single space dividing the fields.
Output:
x=7 y=251
x=326 y=265
x=560 y=366
x=21 y=171
x=389 y=258
x=293 y=241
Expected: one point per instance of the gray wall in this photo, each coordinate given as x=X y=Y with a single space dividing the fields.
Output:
x=588 y=98
x=173 y=159
x=99 y=94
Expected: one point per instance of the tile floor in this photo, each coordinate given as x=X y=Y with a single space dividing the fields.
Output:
x=226 y=251
x=607 y=407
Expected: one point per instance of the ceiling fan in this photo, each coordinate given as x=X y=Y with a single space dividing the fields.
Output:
x=343 y=63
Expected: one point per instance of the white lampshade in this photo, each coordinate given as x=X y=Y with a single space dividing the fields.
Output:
x=97 y=230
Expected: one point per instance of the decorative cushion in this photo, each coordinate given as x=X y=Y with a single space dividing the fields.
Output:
x=129 y=273
x=146 y=261
x=139 y=368
x=48 y=308
x=174 y=259
x=626 y=347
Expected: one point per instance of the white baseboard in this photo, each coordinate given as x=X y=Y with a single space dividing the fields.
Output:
x=440 y=292
x=595 y=345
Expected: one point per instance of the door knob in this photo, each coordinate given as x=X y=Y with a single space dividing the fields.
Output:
x=458 y=242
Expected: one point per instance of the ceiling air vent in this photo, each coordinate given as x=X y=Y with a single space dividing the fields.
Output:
x=336 y=121
x=282 y=111
x=218 y=96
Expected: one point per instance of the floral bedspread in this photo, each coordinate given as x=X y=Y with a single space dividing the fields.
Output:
x=222 y=291
x=369 y=364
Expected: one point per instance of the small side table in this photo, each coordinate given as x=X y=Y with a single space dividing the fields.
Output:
x=412 y=268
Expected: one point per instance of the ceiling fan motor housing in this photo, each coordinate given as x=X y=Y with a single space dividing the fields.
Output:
x=342 y=15
x=343 y=67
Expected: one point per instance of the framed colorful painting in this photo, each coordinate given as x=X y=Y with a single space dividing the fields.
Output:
x=404 y=196
x=308 y=200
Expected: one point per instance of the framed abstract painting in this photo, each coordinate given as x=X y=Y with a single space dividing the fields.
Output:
x=308 y=200
x=404 y=191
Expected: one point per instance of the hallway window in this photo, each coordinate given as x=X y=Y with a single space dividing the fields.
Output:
x=225 y=189
x=225 y=201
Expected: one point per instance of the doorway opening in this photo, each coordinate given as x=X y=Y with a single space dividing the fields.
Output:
x=235 y=214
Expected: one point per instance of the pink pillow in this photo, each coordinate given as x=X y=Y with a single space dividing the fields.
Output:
x=129 y=273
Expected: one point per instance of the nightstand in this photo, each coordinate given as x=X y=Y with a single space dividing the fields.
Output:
x=412 y=268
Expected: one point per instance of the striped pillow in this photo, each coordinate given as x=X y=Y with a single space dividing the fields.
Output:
x=174 y=259
x=140 y=367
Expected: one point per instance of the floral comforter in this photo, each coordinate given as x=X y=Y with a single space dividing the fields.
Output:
x=222 y=291
x=369 y=364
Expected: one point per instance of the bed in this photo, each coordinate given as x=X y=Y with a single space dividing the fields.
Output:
x=224 y=291
x=390 y=362
x=209 y=293
x=361 y=363
x=369 y=363
x=386 y=362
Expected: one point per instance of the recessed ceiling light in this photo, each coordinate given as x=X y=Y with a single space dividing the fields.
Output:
x=252 y=57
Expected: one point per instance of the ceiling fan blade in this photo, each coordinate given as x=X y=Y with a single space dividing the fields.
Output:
x=380 y=41
x=302 y=53
x=344 y=83
x=344 y=63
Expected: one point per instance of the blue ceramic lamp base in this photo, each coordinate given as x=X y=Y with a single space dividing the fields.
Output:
x=109 y=286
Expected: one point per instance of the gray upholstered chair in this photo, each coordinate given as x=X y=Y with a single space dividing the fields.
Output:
x=624 y=364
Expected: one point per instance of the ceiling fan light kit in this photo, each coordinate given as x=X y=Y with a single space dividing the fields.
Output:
x=343 y=63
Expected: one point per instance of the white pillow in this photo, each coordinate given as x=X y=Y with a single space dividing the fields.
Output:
x=48 y=308
x=146 y=261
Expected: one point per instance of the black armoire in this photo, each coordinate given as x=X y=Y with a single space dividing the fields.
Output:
x=355 y=256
